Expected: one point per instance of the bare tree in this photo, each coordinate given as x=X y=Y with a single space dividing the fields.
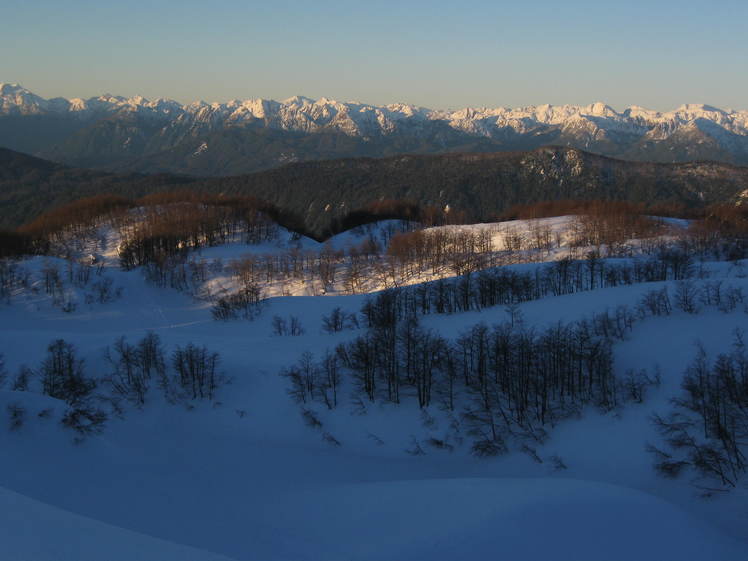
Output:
x=197 y=371
x=3 y=372
x=134 y=366
x=62 y=374
x=708 y=427
x=22 y=379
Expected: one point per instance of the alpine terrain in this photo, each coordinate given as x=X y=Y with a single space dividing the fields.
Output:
x=241 y=136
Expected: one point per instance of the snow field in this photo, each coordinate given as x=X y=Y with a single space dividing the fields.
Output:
x=246 y=479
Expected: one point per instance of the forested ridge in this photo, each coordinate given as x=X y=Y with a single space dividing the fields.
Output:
x=323 y=194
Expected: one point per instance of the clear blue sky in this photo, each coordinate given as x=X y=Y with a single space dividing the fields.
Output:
x=658 y=54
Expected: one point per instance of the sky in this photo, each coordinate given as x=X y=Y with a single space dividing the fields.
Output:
x=656 y=54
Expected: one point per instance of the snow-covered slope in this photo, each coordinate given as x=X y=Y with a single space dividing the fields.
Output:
x=40 y=532
x=261 y=485
x=244 y=477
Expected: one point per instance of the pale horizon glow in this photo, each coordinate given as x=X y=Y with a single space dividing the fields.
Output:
x=440 y=55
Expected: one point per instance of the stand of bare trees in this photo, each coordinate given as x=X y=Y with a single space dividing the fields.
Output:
x=63 y=377
x=721 y=233
x=507 y=380
x=134 y=367
x=707 y=429
x=245 y=304
x=12 y=277
x=505 y=286
x=603 y=231
x=197 y=371
x=194 y=372
x=161 y=233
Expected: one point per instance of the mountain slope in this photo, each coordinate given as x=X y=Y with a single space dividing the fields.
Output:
x=482 y=185
x=241 y=136
x=479 y=186
x=29 y=185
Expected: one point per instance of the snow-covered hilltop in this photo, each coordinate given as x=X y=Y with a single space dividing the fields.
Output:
x=166 y=133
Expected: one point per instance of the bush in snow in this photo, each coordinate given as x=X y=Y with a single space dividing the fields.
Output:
x=135 y=366
x=84 y=419
x=292 y=326
x=655 y=303
x=12 y=276
x=687 y=296
x=197 y=371
x=62 y=374
x=635 y=383
x=3 y=371
x=16 y=414
x=103 y=292
x=338 y=320
x=245 y=304
x=63 y=377
x=21 y=381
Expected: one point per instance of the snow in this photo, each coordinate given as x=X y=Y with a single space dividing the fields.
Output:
x=511 y=518
x=301 y=113
x=34 y=530
x=245 y=479
x=200 y=149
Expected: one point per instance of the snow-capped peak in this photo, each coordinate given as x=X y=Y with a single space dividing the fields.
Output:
x=298 y=100
x=600 y=109
x=15 y=99
x=8 y=89
x=304 y=114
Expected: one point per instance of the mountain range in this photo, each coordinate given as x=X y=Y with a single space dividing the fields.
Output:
x=242 y=136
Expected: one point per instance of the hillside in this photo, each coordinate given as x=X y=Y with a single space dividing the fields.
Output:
x=482 y=186
x=474 y=187
x=30 y=186
x=290 y=450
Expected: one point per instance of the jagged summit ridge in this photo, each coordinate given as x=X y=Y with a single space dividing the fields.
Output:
x=304 y=113
x=245 y=135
